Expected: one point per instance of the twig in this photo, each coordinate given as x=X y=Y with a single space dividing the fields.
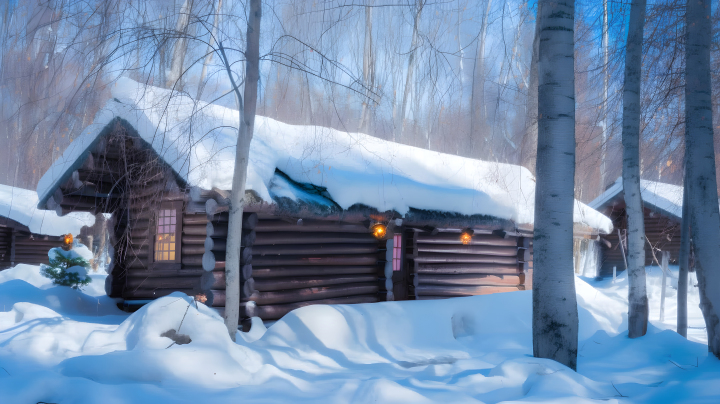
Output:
x=670 y=360
x=181 y=323
x=5 y=371
x=618 y=391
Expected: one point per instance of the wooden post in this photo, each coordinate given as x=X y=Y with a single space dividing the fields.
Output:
x=665 y=260
x=12 y=247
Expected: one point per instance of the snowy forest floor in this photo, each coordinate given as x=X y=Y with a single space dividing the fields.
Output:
x=59 y=345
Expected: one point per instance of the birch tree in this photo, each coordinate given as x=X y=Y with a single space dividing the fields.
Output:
x=637 y=295
x=555 y=315
x=242 y=152
x=211 y=47
x=684 y=263
x=368 y=68
x=410 y=69
x=700 y=160
x=478 y=116
x=180 y=48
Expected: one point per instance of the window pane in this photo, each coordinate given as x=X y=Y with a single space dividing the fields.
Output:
x=172 y=256
x=172 y=246
x=172 y=219
x=171 y=228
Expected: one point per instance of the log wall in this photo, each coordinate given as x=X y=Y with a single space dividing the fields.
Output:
x=5 y=247
x=662 y=232
x=444 y=267
x=287 y=264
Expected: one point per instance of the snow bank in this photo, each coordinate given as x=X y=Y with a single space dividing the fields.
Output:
x=198 y=141
x=20 y=205
x=463 y=350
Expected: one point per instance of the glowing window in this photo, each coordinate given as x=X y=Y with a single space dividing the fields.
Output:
x=397 y=252
x=165 y=242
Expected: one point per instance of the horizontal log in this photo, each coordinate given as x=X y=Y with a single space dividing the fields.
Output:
x=281 y=272
x=194 y=239
x=312 y=238
x=136 y=263
x=143 y=294
x=449 y=269
x=275 y=312
x=317 y=260
x=464 y=258
x=278 y=284
x=454 y=238
x=193 y=249
x=216 y=229
x=316 y=293
x=164 y=273
x=164 y=283
x=458 y=291
x=192 y=260
x=503 y=251
x=195 y=230
x=523 y=242
x=218 y=299
x=193 y=219
x=310 y=225
x=212 y=280
x=303 y=249
x=470 y=280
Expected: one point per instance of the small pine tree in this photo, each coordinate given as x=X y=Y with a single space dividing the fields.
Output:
x=58 y=270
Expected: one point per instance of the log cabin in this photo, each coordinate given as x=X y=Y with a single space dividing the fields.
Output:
x=27 y=233
x=662 y=211
x=330 y=217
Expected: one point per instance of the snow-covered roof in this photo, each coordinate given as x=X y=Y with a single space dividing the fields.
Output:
x=198 y=141
x=20 y=205
x=667 y=198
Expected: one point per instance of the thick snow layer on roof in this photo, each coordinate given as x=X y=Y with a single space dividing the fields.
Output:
x=20 y=205
x=198 y=140
x=666 y=197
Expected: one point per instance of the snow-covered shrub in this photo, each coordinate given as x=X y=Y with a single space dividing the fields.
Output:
x=67 y=268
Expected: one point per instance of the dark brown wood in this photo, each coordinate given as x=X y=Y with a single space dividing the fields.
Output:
x=312 y=238
x=278 y=284
x=165 y=273
x=282 y=272
x=316 y=293
x=193 y=239
x=310 y=225
x=192 y=260
x=275 y=312
x=317 y=260
x=449 y=269
x=464 y=258
x=143 y=294
x=504 y=251
x=470 y=280
x=458 y=291
x=454 y=238
x=308 y=249
x=195 y=230
x=164 y=283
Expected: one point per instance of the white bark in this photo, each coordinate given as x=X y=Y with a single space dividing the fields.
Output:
x=368 y=69
x=529 y=143
x=242 y=151
x=410 y=70
x=180 y=48
x=210 y=49
x=555 y=315
x=603 y=146
x=478 y=116
x=637 y=295
x=700 y=159
x=684 y=263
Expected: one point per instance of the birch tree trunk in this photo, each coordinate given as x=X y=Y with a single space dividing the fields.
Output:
x=368 y=68
x=529 y=143
x=210 y=49
x=603 y=146
x=411 y=69
x=180 y=48
x=555 y=315
x=700 y=158
x=242 y=152
x=637 y=295
x=478 y=117
x=684 y=262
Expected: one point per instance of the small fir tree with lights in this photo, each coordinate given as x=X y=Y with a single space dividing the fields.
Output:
x=67 y=267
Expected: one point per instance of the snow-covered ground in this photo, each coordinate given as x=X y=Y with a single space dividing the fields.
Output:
x=59 y=345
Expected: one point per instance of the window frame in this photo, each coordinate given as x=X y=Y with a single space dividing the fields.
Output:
x=168 y=205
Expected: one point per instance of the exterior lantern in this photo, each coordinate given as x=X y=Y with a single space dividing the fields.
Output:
x=466 y=236
x=378 y=230
x=67 y=242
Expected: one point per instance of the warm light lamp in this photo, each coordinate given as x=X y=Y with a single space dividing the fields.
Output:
x=466 y=236
x=378 y=230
